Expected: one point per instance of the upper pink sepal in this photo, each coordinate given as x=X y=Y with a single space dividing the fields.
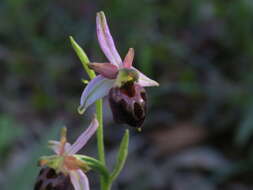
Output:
x=107 y=70
x=106 y=41
x=128 y=61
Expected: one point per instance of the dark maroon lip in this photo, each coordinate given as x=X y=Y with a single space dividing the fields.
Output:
x=128 y=104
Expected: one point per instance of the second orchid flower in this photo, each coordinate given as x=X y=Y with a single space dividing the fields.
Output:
x=65 y=170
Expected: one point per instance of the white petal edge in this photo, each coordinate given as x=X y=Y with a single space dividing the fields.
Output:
x=97 y=88
x=55 y=146
x=106 y=41
x=79 y=180
x=144 y=80
x=84 y=137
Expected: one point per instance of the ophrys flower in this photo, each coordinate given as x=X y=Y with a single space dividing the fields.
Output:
x=65 y=167
x=119 y=79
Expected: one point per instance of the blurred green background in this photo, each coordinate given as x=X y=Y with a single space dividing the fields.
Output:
x=198 y=132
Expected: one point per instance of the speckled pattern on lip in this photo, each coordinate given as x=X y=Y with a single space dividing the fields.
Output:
x=128 y=104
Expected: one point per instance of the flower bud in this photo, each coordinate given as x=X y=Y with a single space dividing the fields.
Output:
x=128 y=104
x=48 y=179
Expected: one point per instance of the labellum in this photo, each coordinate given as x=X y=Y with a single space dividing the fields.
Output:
x=48 y=179
x=128 y=103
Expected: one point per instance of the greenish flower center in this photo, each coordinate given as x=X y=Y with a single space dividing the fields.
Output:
x=126 y=75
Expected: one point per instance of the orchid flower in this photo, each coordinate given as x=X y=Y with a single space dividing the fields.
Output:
x=116 y=74
x=65 y=162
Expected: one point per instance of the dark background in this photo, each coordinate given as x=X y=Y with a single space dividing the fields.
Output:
x=198 y=132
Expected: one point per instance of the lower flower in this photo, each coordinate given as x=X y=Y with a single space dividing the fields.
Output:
x=64 y=170
x=48 y=179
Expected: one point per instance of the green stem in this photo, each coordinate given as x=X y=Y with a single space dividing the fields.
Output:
x=100 y=136
x=100 y=140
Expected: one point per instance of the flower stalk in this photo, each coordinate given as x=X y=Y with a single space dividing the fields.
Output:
x=99 y=107
x=125 y=86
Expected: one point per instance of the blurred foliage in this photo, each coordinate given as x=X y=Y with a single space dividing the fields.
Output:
x=25 y=175
x=8 y=133
x=200 y=51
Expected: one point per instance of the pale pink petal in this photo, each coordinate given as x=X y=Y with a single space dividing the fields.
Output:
x=107 y=70
x=79 y=180
x=128 y=61
x=106 y=41
x=56 y=146
x=84 y=137
x=97 y=88
x=144 y=80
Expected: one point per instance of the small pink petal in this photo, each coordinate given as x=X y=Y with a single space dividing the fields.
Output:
x=97 y=88
x=106 y=41
x=128 y=61
x=56 y=146
x=144 y=80
x=84 y=137
x=107 y=70
x=79 y=180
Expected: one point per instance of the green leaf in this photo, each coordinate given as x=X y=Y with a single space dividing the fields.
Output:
x=122 y=156
x=83 y=57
